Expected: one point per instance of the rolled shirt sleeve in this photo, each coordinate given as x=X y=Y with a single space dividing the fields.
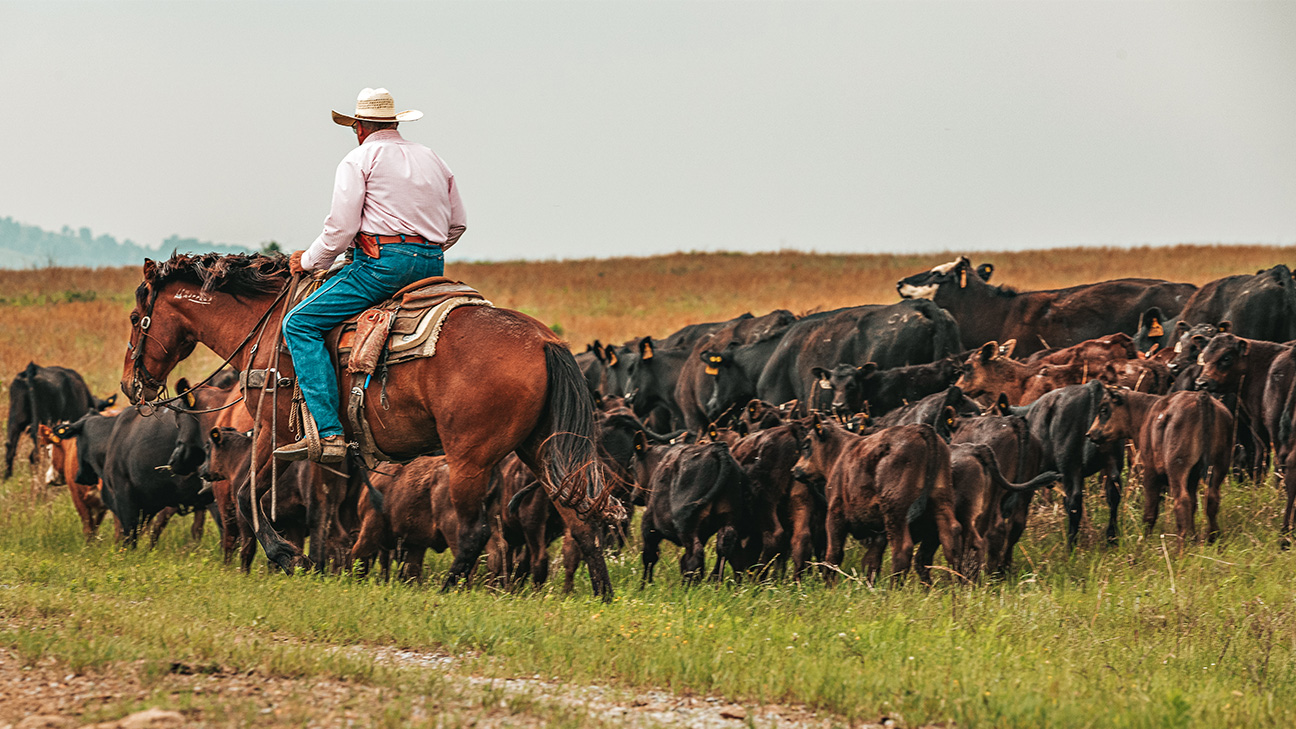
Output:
x=458 y=219
x=343 y=221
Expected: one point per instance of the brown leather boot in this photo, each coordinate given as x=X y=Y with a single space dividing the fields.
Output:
x=332 y=450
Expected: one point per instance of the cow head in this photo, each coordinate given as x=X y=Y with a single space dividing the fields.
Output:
x=944 y=280
x=729 y=386
x=989 y=369
x=1188 y=345
x=819 y=450
x=85 y=474
x=1153 y=330
x=946 y=423
x=643 y=379
x=54 y=451
x=188 y=455
x=1223 y=363
x=1113 y=420
x=844 y=387
x=225 y=450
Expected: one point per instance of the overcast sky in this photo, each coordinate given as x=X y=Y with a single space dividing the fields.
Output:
x=580 y=129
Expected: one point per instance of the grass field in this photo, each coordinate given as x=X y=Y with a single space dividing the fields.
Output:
x=1136 y=635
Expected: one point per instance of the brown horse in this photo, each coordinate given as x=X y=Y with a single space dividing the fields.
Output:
x=501 y=382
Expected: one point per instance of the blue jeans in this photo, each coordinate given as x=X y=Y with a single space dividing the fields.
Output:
x=358 y=286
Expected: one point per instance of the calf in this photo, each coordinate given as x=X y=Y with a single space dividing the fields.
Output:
x=929 y=409
x=694 y=491
x=759 y=415
x=1183 y=439
x=989 y=372
x=850 y=389
x=1058 y=421
x=788 y=514
x=86 y=499
x=1103 y=349
x=894 y=486
x=227 y=457
x=1234 y=365
x=406 y=510
x=1018 y=455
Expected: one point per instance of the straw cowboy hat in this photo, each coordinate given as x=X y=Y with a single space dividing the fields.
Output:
x=375 y=105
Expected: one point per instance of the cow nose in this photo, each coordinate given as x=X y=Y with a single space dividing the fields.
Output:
x=1204 y=384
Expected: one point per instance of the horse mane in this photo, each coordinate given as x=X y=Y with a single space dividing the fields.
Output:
x=237 y=274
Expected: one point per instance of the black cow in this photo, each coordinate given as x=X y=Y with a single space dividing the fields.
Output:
x=1258 y=306
x=850 y=389
x=1233 y=365
x=1059 y=420
x=1040 y=319
x=150 y=464
x=695 y=491
x=44 y=395
x=705 y=389
x=895 y=335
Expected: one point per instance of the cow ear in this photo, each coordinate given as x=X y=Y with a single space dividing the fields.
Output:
x=950 y=417
x=215 y=435
x=112 y=399
x=597 y=349
x=1224 y=326
x=984 y=271
x=646 y=349
x=640 y=441
x=62 y=430
x=819 y=373
x=611 y=356
x=866 y=369
x=1243 y=346
x=989 y=351
x=753 y=407
x=788 y=406
x=740 y=428
x=1006 y=349
x=1002 y=405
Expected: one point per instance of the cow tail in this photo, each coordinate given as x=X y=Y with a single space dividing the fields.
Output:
x=29 y=376
x=515 y=503
x=991 y=465
x=568 y=456
x=1208 y=435
x=930 y=472
x=376 y=499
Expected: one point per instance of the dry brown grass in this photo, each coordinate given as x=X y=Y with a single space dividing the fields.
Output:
x=77 y=317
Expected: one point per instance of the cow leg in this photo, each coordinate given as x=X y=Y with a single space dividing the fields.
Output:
x=11 y=449
x=693 y=560
x=925 y=557
x=802 y=547
x=651 y=553
x=1074 y=507
x=589 y=540
x=1289 y=484
x=1154 y=486
x=1214 y=477
x=836 y=528
x=368 y=543
x=874 y=546
x=902 y=549
x=159 y=523
x=384 y=564
x=199 y=521
x=83 y=511
x=1112 y=485
x=413 y=570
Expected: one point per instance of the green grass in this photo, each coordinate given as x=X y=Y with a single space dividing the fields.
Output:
x=1109 y=637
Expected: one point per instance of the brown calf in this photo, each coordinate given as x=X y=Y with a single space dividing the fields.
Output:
x=1232 y=364
x=63 y=461
x=406 y=511
x=1183 y=438
x=990 y=371
x=789 y=514
x=894 y=486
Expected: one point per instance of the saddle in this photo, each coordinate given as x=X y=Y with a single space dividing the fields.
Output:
x=402 y=328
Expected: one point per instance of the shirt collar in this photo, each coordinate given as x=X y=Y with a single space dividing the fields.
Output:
x=383 y=134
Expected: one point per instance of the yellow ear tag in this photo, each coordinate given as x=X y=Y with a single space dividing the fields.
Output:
x=1201 y=359
x=963 y=279
x=647 y=352
x=1155 y=330
x=712 y=370
x=55 y=439
x=189 y=399
x=612 y=359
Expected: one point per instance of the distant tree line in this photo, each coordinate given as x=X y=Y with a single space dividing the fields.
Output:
x=29 y=246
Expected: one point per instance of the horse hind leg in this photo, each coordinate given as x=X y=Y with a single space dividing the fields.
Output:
x=468 y=491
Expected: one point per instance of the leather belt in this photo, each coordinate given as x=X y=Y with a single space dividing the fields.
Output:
x=369 y=242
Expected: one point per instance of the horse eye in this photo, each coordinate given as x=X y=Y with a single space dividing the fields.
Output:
x=134 y=318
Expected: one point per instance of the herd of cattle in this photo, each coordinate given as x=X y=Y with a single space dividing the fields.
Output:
x=926 y=425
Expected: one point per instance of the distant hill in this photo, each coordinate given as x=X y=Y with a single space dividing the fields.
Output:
x=27 y=246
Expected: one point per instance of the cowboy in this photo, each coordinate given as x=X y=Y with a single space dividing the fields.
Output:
x=397 y=209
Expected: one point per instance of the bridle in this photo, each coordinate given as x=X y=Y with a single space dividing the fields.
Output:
x=141 y=378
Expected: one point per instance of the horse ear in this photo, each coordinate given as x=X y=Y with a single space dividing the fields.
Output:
x=150 y=268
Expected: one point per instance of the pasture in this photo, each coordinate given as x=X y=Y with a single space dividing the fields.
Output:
x=1140 y=634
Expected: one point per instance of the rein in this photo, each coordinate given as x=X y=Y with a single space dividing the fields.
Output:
x=147 y=408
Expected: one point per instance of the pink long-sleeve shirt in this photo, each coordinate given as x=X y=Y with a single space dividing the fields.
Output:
x=389 y=186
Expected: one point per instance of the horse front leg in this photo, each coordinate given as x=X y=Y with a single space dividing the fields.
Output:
x=278 y=550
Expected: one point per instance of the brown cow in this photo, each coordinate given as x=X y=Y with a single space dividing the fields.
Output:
x=1103 y=349
x=63 y=461
x=228 y=412
x=1183 y=439
x=406 y=510
x=893 y=486
x=1232 y=364
x=990 y=371
x=789 y=514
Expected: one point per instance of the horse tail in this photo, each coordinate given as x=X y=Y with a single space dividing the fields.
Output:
x=568 y=456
